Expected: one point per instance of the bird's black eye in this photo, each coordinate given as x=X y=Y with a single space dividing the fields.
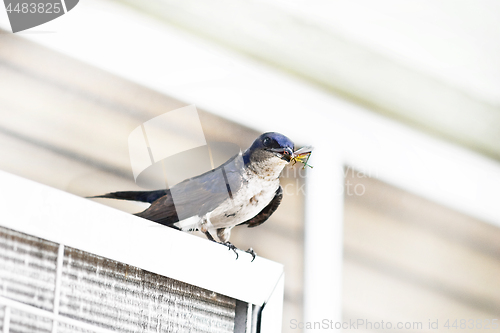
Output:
x=267 y=142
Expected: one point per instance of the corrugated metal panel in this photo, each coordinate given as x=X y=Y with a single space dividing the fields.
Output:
x=127 y=299
x=27 y=269
x=101 y=292
x=65 y=328
x=22 y=322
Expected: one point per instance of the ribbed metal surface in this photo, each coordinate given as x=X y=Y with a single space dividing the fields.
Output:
x=27 y=269
x=101 y=292
x=127 y=299
x=22 y=322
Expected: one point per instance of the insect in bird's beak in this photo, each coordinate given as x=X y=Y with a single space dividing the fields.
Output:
x=287 y=154
x=302 y=155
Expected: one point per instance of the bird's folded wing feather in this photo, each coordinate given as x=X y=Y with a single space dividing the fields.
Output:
x=198 y=195
x=143 y=196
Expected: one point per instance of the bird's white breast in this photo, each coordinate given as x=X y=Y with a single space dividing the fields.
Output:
x=245 y=204
x=260 y=188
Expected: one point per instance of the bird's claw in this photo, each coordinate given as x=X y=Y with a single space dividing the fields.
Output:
x=252 y=253
x=231 y=247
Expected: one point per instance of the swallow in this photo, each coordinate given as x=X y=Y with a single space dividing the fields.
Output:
x=245 y=190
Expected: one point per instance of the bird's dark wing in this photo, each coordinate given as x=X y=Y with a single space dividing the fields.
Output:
x=267 y=211
x=143 y=196
x=161 y=211
x=198 y=195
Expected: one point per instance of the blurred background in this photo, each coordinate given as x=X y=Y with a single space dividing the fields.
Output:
x=343 y=76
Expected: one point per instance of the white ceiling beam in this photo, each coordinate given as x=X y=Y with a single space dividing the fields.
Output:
x=304 y=44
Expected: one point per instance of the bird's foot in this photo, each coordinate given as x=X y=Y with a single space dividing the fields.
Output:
x=231 y=247
x=252 y=253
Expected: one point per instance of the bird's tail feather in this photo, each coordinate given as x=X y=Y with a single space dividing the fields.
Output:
x=143 y=196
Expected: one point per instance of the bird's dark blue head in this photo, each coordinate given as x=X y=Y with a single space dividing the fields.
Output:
x=269 y=146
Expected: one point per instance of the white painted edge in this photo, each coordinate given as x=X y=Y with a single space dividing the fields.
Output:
x=57 y=290
x=6 y=319
x=272 y=313
x=63 y=218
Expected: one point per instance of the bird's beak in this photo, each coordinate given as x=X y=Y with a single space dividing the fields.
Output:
x=283 y=153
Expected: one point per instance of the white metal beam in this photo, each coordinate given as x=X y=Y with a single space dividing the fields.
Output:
x=63 y=218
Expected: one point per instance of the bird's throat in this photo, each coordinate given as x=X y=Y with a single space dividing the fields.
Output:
x=269 y=169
